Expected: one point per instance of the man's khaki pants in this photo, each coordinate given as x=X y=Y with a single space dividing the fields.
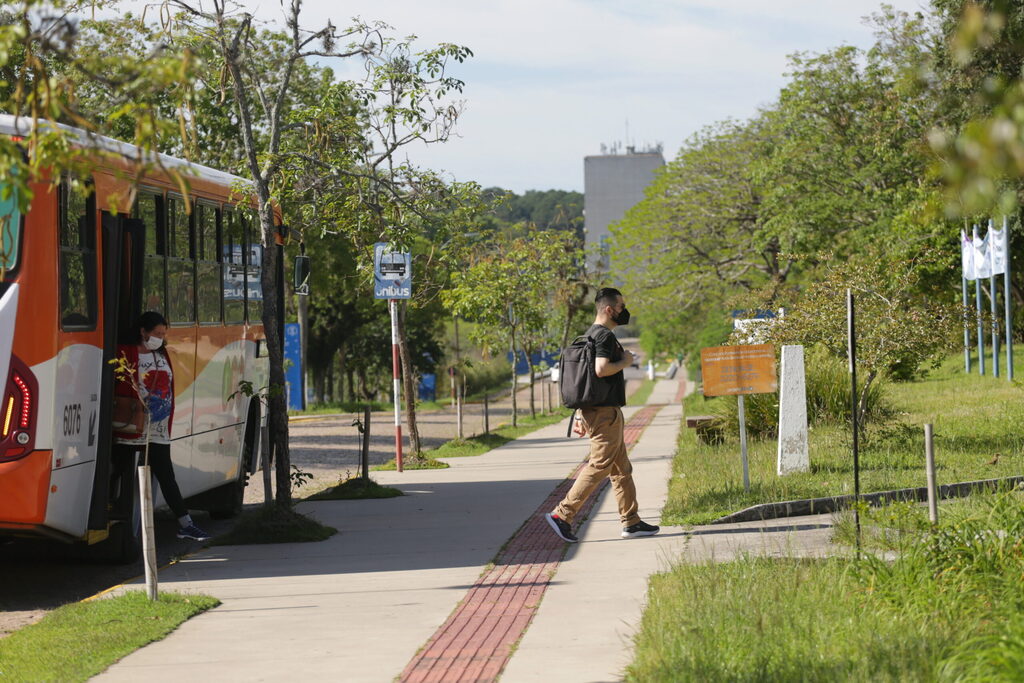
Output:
x=604 y=426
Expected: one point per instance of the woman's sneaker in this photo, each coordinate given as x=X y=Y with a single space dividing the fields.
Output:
x=561 y=527
x=640 y=529
x=193 y=532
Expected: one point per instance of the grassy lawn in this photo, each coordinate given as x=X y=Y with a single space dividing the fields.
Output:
x=975 y=419
x=642 y=393
x=79 y=640
x=478 y=445
x=949 y=607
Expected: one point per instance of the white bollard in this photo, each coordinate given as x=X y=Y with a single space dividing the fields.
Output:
x=148 y=535
x=650 y=369
x=793 y=454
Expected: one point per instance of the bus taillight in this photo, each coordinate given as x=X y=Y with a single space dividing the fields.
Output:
x=17 y=414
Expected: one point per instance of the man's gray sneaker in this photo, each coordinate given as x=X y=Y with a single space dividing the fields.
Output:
x=561 y=527
x=640 y=529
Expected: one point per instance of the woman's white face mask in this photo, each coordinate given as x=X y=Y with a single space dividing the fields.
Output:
x=153 y=342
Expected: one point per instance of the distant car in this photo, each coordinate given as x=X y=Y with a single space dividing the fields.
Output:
x=554 y=372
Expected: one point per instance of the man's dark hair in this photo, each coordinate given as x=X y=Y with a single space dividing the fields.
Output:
x=607 y=296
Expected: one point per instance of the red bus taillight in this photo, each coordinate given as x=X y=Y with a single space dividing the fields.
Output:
x=17 y=412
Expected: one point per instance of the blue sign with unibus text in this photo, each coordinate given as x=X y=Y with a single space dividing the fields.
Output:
x=392 y=273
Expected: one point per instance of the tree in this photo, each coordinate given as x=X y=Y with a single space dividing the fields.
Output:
x=504 y=290
x=41 y=61
x=897 y=327
x=230 y=43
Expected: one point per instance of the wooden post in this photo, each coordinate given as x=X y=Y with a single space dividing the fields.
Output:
x=148 y=537
x=929 y=466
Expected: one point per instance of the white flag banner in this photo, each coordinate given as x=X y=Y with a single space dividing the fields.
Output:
x=997 y=250
x=966 y=255
x=982 y=264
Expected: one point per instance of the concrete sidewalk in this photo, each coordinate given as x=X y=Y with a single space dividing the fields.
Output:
x=359 y=606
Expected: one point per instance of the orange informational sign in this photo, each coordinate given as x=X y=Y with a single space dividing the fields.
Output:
x=736 y=370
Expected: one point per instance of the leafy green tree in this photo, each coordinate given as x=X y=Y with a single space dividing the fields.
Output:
x=505 y=291
x=896 y=327
x=42 y=60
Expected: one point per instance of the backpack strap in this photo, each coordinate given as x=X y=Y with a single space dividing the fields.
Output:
x=568 y=430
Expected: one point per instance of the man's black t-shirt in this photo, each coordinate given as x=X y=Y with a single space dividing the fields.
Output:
x=609 y=347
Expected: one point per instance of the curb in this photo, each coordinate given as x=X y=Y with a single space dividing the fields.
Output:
x=819 y=506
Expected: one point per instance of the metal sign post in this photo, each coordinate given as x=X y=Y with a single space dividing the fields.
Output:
x=852 y=353
x=397 y=389
x=392 y=280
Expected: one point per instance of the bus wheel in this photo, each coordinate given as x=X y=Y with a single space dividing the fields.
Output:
x=226 y=501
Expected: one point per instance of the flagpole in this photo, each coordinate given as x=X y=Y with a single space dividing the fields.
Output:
x=992 y=292
x=977 y=306
x=1006 y=299
x=966 y=256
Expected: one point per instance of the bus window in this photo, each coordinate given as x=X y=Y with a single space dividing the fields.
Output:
x=10 y=227
x=233 y=261
x=208 y=272
x=77 y=259
x=181 y=288
x=147 y=209
x=253 y=281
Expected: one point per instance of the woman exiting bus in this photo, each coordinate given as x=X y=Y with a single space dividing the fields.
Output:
x=151 y=363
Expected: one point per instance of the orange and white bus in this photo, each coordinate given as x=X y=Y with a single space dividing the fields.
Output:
x=77 y=274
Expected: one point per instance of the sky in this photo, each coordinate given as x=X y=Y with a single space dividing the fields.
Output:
x=553 y=80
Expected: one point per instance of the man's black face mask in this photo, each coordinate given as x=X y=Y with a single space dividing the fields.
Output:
x=622 y=317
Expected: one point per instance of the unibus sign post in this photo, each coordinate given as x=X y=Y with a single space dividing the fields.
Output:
x=738 y=371
x=392 y=280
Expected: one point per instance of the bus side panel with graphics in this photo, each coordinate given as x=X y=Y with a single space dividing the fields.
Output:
x=81 y=271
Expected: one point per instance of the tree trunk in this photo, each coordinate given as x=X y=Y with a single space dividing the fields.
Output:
x=515 y=386
x=533 y=385
x=319 y=384
x=862 y=404
x=342 y=362
x=329 y=380
x=276 y=400
x=408 y=384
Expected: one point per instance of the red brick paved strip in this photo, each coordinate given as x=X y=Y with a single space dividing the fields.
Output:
x=681 y=392
x=476 y=641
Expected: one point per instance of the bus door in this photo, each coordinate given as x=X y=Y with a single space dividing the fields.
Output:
x=123 y=242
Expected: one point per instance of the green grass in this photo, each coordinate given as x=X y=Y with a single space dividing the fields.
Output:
x=478 y=445
x=975 y=418
x=949 y=607
x=274 y=524
x=356 y=489
x=411 y=463
x=642 y=393
x=79 y=640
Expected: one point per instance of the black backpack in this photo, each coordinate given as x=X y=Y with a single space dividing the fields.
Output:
x=577 y=380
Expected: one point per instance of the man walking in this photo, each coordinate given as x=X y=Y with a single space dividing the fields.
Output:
x=604 y=425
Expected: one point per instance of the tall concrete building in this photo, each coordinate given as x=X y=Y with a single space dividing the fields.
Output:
x=613 y=183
